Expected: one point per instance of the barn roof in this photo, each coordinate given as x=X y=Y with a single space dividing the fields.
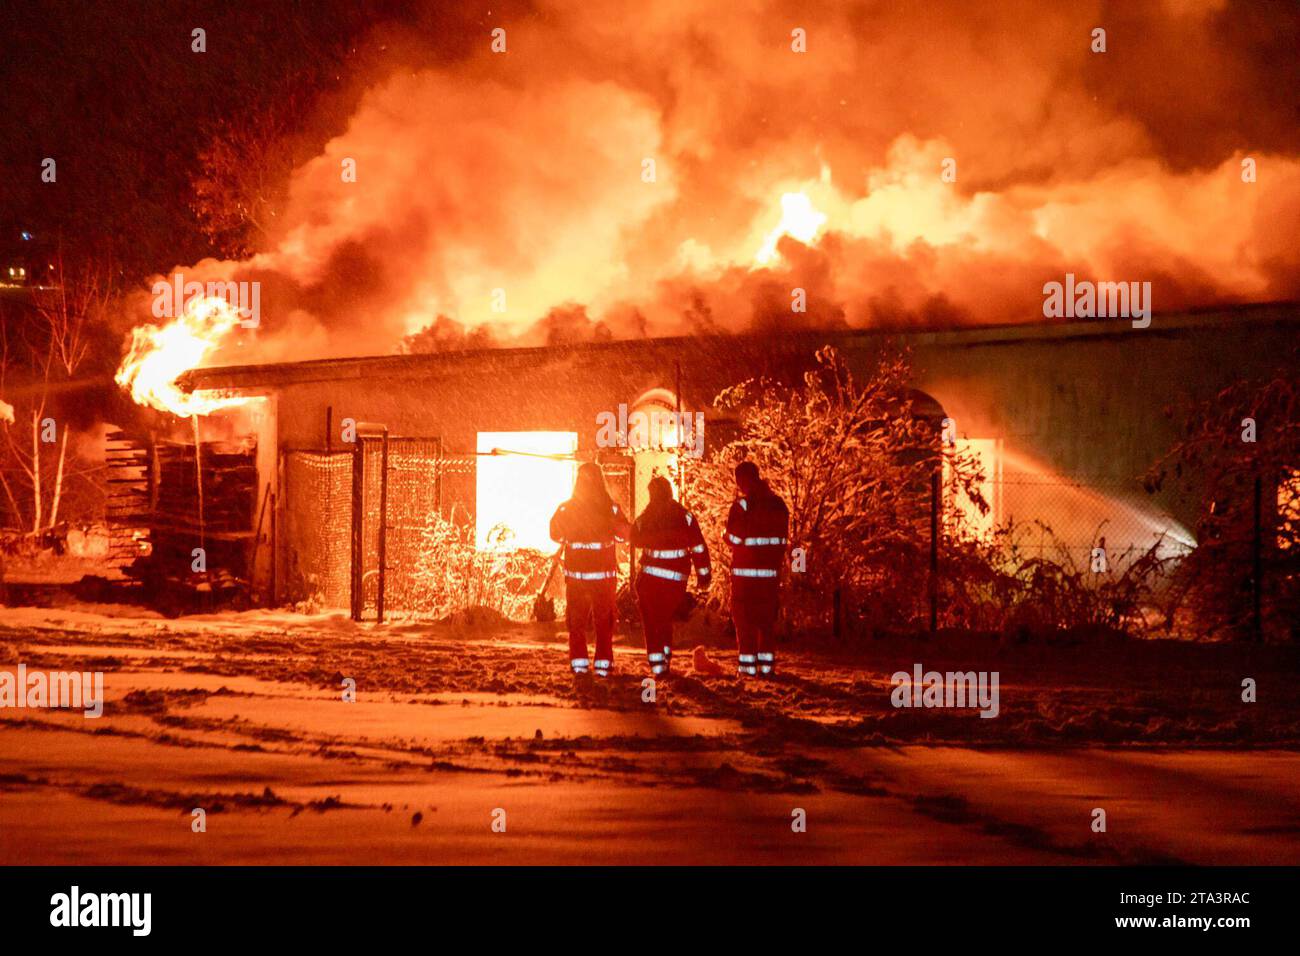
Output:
x=727 y=348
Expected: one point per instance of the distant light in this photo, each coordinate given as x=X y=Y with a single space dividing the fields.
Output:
x=26 y=236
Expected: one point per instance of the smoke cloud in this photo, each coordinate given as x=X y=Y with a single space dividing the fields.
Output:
x=617 y=171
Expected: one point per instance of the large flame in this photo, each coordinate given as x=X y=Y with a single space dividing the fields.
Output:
x=159 y=355
x=799 y=218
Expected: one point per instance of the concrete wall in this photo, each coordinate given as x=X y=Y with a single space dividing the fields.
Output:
x=1084 y=400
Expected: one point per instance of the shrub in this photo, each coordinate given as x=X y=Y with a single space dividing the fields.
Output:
x=452 y=575
x=1222 y=473
x=853 y=461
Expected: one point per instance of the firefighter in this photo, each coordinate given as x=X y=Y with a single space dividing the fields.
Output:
x=757 y=527
x=587 y=526
x=670 y=541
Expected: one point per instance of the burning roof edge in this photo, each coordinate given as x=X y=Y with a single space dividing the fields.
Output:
x=400 y=365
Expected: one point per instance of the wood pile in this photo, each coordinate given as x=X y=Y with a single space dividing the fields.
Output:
x=166 y=500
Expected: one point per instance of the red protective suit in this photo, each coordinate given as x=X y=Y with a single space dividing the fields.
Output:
x=756 y=530
x=670 y=541
x=588 y=532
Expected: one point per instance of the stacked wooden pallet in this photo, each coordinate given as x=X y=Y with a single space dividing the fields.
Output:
x=187 y=512
x=130 y=490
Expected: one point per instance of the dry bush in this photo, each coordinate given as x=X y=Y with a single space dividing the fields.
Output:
x=998 y=583
x=1222 y=475
x=453 y=575
x=853 y=461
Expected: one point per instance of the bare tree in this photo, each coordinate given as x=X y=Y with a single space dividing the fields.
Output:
x=36 y=366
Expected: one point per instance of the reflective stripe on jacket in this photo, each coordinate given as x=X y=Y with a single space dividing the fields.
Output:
x=670 y=542
x=589 y=535
x=757 y=530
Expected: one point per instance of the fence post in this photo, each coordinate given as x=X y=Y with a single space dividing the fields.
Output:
x=631 y=487
x=1257 y=565
x=383 y=527
x=275 y=549
x=934 y=550
x=358 y=516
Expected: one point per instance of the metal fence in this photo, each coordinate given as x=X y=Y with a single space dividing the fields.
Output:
x=363 y=525
x=1071 y=516
x=317 y=550
x=360 y=525
x=401 y=489
x=1101 y=528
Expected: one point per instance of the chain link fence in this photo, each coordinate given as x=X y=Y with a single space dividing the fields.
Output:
x=1075 y=515
x=1086 y=535
x=411 y=550
x=317 y=549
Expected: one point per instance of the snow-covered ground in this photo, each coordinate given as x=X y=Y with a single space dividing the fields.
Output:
x=243 y=716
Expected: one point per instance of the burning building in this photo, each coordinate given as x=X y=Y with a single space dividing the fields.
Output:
x=354 y=457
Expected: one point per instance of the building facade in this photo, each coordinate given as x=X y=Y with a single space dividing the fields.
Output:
x=1066 y=418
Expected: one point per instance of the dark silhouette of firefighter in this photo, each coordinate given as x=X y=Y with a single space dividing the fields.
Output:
x=757 y=527
x=670 y=541
x=588 y=526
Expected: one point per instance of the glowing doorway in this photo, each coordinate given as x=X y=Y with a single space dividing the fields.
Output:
x=521 y=479
x=654 y=446
x=987 y=453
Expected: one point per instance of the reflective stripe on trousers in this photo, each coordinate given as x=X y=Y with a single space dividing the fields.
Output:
x=753 y=572
x=754 y=542
x=590 y=575
x=664 y=573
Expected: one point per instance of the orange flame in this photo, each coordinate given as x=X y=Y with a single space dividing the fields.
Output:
x=799 y=218
x=159 y=355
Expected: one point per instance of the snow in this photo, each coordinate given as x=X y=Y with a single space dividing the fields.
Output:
x=242 y=714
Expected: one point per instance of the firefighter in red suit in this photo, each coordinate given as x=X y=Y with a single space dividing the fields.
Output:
x=670 y=541
x=757 y=528
x=588 y=525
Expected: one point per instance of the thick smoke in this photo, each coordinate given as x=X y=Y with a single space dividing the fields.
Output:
x=509 y=193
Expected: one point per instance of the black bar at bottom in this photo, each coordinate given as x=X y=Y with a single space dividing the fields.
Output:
x=497 y=906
